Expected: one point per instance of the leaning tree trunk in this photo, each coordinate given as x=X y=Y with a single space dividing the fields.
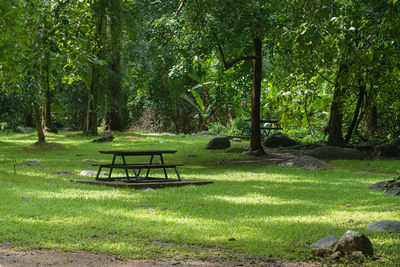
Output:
x=38 y=122
x=255 y=137
x=113 y=116
x=336 y=116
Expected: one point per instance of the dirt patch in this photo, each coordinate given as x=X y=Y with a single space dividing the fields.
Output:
x=21 y=258
x=45 y=146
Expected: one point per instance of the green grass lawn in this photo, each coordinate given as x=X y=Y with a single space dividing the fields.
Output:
x=254 y=208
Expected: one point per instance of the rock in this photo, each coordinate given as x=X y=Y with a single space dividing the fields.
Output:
x=195 y=134
x=354 y=241
x=327 y=242
x=386 y=150
x=336 y=255
x=394 y=191
x=191 y=156
x=385 y=226
x=207 y=133
x=321 y=252
x=89 y=160
x=304 y=162
x=167 y=134
x=148 y=190
x=368 y=145
x=286 y=156
x=220 y=142
x=104 y=138
x=63 y=173
x=91 y=173
x=24 y=130
x=278 y=139
x=25 y=197
x=357 y=255
x=236 y=139
x=379 y=186
x=236 y=149
x=31 y=163
x=334 y=153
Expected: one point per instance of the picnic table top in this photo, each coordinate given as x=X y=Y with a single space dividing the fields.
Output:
x=136 y=152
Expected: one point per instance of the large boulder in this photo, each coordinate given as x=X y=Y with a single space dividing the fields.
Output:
x=278 y=139
x=304 y=162
x=368 y=145
x=220 y=142
x=334 y=153
x=354 y=241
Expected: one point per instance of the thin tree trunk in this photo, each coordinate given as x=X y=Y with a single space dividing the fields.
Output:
x=255 y=141
x=308 y=119
x=91 y=115
x=336 y=116
x=38 y=122
x=356 y=114
x=47 y=125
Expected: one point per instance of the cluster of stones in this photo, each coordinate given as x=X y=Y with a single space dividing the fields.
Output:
x=391 y=187
x=352 y=245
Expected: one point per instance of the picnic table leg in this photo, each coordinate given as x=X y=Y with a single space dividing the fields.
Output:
x=176 y=170
x=126 y=170
x=165 y=171
x=98 y=173
x=111 y=168
x=148 y=169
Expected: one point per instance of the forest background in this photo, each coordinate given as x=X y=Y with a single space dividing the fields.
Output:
x=328 y=70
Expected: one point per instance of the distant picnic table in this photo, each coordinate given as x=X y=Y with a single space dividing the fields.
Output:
x=137 y=167
x=266 y=126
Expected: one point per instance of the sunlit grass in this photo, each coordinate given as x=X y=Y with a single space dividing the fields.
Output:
x=253 y=208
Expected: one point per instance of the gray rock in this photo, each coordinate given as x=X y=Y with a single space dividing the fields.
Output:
x=91 y=173
x=24 y=130
x=220 y=142
x=89 y=160
x=386 y=150
x=278 y=139
x=327 y=242
x=25 y=197
x=385 y=226
x=368 y=145
x=236 y=139
x=167 y=134
x=304 y=162
x=394 y=191
x=286 y=156
x=354 y=241
x=195 y=134
x=379 y=186
x=321 y=252
x=207 y=133
x=63 y=173
x=31 y=163
x=334 y=153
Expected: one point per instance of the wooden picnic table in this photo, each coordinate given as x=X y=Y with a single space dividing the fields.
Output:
x=265 y=127
x=138 y=167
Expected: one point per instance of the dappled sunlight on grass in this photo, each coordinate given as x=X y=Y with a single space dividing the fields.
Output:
x=255 y=207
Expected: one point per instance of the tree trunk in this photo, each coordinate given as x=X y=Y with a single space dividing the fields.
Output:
x=47 y=125
x=38 y=122
x=255 y=138
x=356 y=114
x=113 y=116
x=336 y=116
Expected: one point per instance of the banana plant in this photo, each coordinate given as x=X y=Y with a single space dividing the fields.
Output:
x=198 y=103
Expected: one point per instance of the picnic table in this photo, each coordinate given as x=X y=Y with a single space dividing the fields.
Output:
x=266 y=126
x=138 y=167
